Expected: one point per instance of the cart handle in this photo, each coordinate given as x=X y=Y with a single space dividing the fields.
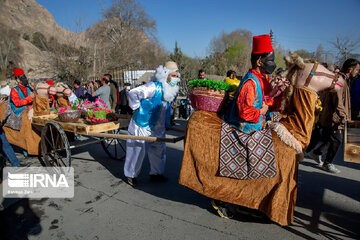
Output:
x=149 y=139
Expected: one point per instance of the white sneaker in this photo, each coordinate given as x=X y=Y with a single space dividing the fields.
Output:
x=329 y=167
x=315 y=157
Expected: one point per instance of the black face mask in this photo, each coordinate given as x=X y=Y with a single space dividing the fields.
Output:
x=269 y=64
x=24 y=81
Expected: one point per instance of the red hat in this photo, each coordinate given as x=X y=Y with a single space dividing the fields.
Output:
x=51 y=83
x=18 y=72
x=262 y=44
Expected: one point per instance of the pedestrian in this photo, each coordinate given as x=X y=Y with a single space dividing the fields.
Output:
x=232 y=80
x=355 y=98
x=103 y=92
x=201 y=74
x=336 y=111
x=124 y=102
x=183 y=109
x=114 y=93
x=151 y=103
x=79 y=91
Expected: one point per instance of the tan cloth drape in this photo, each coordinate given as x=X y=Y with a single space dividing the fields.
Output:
x=28 y=138
x=41 y=104
x=62 y=102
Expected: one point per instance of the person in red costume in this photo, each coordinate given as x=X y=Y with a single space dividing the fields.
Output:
x=21 y=95
x=255 y=95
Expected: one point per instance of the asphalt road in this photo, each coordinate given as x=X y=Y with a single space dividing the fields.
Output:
x=105 y=207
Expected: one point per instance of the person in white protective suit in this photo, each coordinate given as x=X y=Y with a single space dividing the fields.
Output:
x=151 y=103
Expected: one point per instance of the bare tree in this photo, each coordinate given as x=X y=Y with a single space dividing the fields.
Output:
x=319 y=54
x=345 y=47
x=131 y=13
x=129 y=33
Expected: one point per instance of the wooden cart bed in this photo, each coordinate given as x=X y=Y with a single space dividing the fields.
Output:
x=352 y=142
x=81 y=126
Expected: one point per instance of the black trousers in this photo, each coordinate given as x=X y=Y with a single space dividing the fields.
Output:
x=182 y=112
x=126 y=110
x=332 y=140
x=315 y=138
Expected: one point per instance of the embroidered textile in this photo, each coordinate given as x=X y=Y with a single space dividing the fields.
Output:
x=245 y=156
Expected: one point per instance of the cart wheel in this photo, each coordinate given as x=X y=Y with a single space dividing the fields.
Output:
x=55 y=146
x=114 y=147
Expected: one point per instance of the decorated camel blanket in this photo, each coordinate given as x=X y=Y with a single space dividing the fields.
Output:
x=276 y=196
x=246 y=156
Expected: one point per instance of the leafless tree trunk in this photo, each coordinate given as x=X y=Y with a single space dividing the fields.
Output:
x=345 y=47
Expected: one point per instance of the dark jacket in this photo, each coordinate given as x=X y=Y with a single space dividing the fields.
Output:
x=124 y=97
x=336 y=108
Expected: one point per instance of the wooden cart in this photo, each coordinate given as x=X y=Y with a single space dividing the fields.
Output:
x=55 y=147
x=352 y=142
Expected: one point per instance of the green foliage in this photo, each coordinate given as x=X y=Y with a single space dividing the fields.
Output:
x=236 y=50
x=211 y=84
x=39 y=40
x=279 y=60
x=101 y=114
x=26 y=37
x=304 y=54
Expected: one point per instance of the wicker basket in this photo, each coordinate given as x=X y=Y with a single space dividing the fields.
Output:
x=70 y=116
x=207 y=99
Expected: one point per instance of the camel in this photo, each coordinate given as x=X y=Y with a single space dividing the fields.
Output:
x=276 y=196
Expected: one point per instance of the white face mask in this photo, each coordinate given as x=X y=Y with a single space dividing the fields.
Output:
x=127 y=87
x=174 y=81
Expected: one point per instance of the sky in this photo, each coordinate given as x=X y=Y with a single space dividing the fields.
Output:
x=193 y=23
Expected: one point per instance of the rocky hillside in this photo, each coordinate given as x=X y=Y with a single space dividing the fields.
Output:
x=28 y=17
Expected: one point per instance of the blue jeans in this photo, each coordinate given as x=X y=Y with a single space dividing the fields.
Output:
x=7 y=150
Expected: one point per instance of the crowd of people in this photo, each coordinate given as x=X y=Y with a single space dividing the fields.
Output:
x=255 y=98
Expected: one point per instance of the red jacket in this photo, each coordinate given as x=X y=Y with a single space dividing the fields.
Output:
x=246 y=98
x=16 y=98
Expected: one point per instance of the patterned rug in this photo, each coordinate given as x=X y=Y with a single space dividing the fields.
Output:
x=244 y=156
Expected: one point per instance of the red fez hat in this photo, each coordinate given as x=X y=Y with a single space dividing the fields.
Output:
x=262 y=44
x=18 y=72
x=51 y=83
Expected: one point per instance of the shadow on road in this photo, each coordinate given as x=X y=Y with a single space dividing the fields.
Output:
x=340 y=221
x=18 y=220
x=326 y=220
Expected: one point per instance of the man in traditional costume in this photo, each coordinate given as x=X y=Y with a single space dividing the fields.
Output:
x=255 y=95
x=23 y=94
x=253 y=98
x=151 y=103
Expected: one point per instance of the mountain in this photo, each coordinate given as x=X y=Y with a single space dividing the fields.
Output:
x=30 y=19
